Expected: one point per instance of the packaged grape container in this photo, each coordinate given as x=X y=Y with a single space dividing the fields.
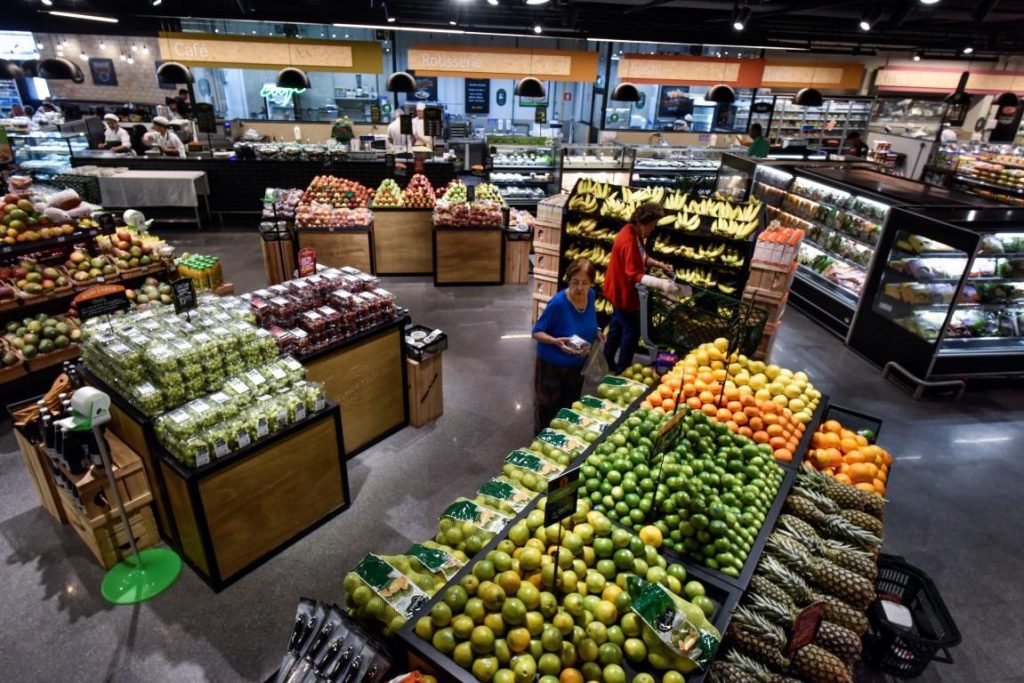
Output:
x=147 y=398
x=195 y=452
x=218 y=439
x=239 y=433
x=202 y=411
x=290 y=401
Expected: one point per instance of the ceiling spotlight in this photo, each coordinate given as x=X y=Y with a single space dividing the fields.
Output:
x=537 y=2
x=103 y=44
x=155 y=3
x=968 y=50
x=48 y=3
x=452 y=22
x=918 y=55
x=869 y=20
x=39 y=45
x=135 y=48
x=83 y=56
x=131 y=60
x=492 y=2
x=537 y=28
x=865 y=25
x=123 y=57
x=740 y=17
x=929 y=2
x=145 y=48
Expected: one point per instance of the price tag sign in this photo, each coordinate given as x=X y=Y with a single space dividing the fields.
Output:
x=669 y=434
x=374 y=113
x=805 y=626
x=563 y=491
x=183 y=292
x=101 y=300
x=432 y=124
x=307 y=261
x=540 y=115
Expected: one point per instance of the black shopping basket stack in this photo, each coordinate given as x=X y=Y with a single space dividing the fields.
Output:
x=668 y=324
x=897 y=650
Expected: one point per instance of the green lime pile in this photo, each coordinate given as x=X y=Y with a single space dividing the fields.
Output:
x=708 y=495
x=552 y=602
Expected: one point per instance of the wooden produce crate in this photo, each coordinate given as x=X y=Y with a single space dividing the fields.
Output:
x=425 y=382
x=38 y=466
x=547 y=234
x=545 y=261
x=468 y=256
x=93 y=486
x=545 y=285
x=105 y=536
x=540 y=302
x=339 y=247
x=764 y=349
x=550 y=209
x=278 y=259
x=517 y=262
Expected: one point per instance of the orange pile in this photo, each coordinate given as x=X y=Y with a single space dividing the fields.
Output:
x=849 y=458
x=763 y=421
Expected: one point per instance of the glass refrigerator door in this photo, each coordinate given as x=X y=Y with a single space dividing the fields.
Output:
x=919 y=284
x=989 y=314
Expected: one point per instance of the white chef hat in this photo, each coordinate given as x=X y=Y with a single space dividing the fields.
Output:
x=420 y=106
x=161 y=121
x=110 y=117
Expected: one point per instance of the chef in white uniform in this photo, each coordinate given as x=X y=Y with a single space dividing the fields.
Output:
x=166 y=139
x=395 y=138
x=419 y=136
x=115 y=138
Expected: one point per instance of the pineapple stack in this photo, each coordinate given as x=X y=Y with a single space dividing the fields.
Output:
x=824 y=549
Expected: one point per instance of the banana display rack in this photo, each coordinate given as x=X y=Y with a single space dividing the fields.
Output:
x=668 y=324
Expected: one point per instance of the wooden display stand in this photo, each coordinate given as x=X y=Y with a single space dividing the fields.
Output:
x=339 y=247
x=426 y=390
x=42 y=478
x=239 y=510
x=402 y=243
x=366 y=377
x=768 y=289
x=517 y=257
x=278 y=260
x=468 y=256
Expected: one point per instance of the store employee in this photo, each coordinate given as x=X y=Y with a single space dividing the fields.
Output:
x=166 y=139
x=115 y=138
x=419 y=136
x=759 y=147
x=395 y=137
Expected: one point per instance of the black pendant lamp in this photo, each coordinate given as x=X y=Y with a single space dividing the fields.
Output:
x=174 y=72
x=530 y=87
x=808 y=97
x=721 y=94
x=60 y=69
x=293 y=78
x=401 y=81
x=1008 y=99
x=626 y=92
x=30 y=68
x=10 y=71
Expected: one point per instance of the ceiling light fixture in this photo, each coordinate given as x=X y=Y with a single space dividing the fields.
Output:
x=537 y=2
x=155 y=3
x=918 y=55
x=722 y=94
x=492 y=2
x=968 y=50
x=83 y=56
x=929 y=2
x=663 y=42
x=740 y=17
x=87 y=17
x=123 y=57
x=626 y=92
x=135 y=48
x=870 y=18
x=103 y=44
x=808 y=97
x=131 y=60
x=48 y=3
x=39 y=45
x=401 y=81
x=537 y=28
x=452 y=22
x=530 y=87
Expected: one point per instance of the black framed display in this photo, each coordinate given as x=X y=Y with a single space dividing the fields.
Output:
x=945 y=298
x=478 y=95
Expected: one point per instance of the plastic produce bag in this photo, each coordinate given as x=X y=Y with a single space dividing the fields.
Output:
x=595 y=369
x=676 y=632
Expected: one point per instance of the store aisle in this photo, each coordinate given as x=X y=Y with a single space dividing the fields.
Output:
x=953 y=489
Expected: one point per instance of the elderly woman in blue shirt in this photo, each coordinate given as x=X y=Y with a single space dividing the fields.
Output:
x=565 y=333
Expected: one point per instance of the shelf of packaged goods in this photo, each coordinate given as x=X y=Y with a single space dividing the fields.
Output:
x=970 y=278
x=997 y=187
x=963 y=305
x=849 y=210
x=674 y=169
x=811 y=243
x=525 y=181
x=982 y=346
x=524 y=167
x=7 y=250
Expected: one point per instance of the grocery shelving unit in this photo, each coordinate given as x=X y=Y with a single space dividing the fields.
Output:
x=523 y=168
x=45 y=155
x=608 y=163
x=687 y=250
x=945 y=298
x=991 y=171
x=823 y=127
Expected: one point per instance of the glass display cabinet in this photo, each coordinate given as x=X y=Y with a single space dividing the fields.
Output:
x=606 y=163
x=946 y=296
x=523 y=168
x=689 y=169
x=45 y=155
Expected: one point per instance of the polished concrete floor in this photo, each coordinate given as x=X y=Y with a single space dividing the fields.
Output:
x=954 y=490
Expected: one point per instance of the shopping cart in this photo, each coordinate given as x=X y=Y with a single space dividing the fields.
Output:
x=675 y=325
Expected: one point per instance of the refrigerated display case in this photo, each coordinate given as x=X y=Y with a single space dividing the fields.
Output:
x=823 y=127
x=906 y=116
x=607 y=163
x=523 y=168
x=986 y=170
x=45 y=155
x=690 y=169
x=946 y=296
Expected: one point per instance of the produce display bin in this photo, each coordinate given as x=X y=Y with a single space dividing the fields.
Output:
x=468 y=256
x=402 y=241
x=366 y=377
x=517 y=256
x=38 y=468
x=339 y=247
x=425 y=389
x=239 y=510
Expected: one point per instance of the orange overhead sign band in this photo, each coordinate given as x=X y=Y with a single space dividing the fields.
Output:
x=204 y=49
x=995 y=82
x=481 y=62
x=669 y=70
x=825 y=76
x=910 y=79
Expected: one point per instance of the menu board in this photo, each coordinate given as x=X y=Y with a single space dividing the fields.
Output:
x=478 y=95
x=674 y=102
x=426 y=89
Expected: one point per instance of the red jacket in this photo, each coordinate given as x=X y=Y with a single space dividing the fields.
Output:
x=625 y=270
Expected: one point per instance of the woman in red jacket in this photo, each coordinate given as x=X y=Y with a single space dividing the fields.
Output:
x=626 y=268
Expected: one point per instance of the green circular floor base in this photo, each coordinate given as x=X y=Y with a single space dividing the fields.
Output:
x=127 y=583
